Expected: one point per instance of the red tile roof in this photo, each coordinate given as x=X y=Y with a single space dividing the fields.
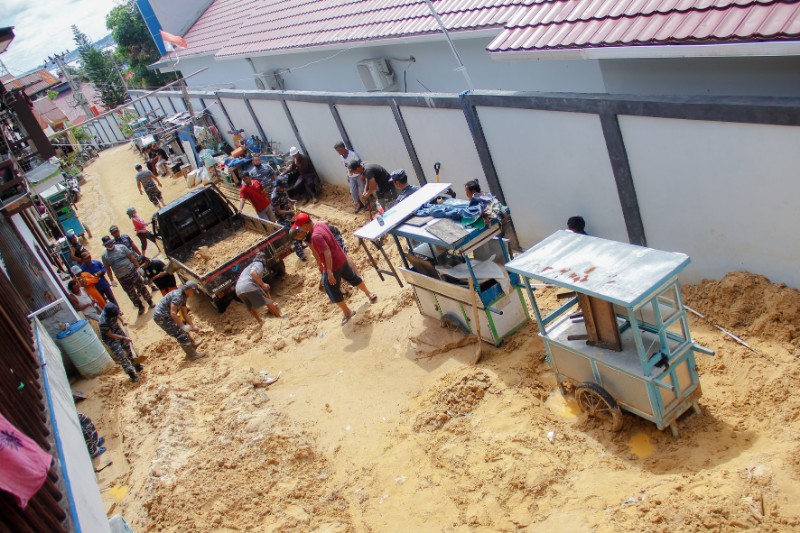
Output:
x=570 y=24
x=247 y=27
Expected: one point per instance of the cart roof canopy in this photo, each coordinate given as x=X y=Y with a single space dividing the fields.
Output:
x=621 y=273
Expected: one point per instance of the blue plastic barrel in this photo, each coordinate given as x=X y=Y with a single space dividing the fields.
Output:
x=84 y=349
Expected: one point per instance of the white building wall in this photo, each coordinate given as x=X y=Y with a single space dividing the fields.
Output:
x=223 y=74
x=433 y=70
x=712 y=76
x=319 y=133
x=551 y=166
x=726 y=194
x=375 y=136
x=240 y=116
x=442 y=135
x=276 y=124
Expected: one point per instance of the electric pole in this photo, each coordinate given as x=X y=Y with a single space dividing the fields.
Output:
x=58 y=59
x=121 y=77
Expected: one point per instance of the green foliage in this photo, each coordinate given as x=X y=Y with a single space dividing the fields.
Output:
x=99 y=70
x=124 y=120
x=135 y=47
x=52 y=95
x=82 y=135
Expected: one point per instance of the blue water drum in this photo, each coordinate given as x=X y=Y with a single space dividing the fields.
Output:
x=84 y=349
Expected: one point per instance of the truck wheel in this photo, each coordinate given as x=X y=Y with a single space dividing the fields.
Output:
x=596 y=402
x=279 y=268
x=220 y=304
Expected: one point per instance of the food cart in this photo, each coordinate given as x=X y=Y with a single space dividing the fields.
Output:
x=621 y=340
x=57 y=201
x=453 y=270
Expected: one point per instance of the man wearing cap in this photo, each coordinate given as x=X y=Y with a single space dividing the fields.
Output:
x=253 y=192
x=156 y=273
x=264 y=174
x=377 y=187
x=251 y=289
x=306 y=184
x=96 y=269
x=120 y=261
x=89 y=283
x=283 y=206
x=169 y=315
x=123 y=239
x=117 y=341
x=404 y=190
x=147 y=180
x=75 y=246
x=332 y=261
x=354 y=180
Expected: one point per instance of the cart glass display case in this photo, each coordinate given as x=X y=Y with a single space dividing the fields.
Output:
x=621 y=339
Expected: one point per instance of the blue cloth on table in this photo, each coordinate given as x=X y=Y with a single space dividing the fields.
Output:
x=238 y=161
x=453 y=209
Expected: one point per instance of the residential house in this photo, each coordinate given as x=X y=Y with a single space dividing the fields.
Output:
x=35 y=84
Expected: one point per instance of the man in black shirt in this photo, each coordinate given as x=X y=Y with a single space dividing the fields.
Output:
x=156 y=273
x=376 y=183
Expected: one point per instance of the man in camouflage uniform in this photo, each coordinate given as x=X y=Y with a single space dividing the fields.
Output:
x=116 y=340
x=172 y=315
x=283 y=206
x=120 y=261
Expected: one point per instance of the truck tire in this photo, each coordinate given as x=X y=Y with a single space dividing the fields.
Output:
x=279 y=268
x=220 y=304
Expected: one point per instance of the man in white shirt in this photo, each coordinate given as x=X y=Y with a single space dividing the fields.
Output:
x=356 y=181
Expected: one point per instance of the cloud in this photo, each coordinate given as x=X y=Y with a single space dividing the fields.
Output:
x=43 y=28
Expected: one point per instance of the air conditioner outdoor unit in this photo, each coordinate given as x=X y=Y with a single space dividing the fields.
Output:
x=376 y=74
x=271 y=80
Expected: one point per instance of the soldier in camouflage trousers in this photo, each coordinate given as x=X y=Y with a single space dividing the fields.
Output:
x=172 y=315
x=283 y=206
x=116 y=340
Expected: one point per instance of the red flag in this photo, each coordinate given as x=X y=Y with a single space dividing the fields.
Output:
x=174 y=39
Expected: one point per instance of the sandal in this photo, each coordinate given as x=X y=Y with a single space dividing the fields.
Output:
x=347 y=318
x=373 y=298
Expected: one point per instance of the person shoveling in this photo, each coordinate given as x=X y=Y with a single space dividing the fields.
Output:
x=251 y=289
x=172 y=315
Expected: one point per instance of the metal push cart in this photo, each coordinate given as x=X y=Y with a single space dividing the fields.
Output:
x=442 y=261
x=57 y=199
x=622 y=339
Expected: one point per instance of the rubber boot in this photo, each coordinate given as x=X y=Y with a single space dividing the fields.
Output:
x=191 y=353
x=138 y=367
x=133 y=376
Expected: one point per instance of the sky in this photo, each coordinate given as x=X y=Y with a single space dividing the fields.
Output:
x=43 y=27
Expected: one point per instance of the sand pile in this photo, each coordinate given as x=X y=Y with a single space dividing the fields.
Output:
x=372 y=428
x=751 y=305
x=207 y=256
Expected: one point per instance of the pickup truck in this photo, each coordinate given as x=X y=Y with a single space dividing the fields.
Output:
x=204 y=220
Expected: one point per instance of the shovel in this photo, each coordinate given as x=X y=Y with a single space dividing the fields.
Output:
x=477 y=327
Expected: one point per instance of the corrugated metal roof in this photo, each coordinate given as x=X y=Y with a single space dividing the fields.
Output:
x=566 y=24
x=32 y=83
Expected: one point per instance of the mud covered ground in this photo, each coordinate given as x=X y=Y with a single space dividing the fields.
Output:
x=375 y=426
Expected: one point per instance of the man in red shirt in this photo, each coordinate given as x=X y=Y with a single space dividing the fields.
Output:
x=332 y=262
x=253 y=192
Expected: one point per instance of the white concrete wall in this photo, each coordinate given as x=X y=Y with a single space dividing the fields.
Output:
x=443 y=135
x=86 y=504
x=726 y=194
x=319 y=133
x=376 y=137
x=711 y=76
x=551 y=166
x=240 y=116
x=276 y=124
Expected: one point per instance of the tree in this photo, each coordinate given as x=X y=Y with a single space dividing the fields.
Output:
x=100 y=72
x=135 y=47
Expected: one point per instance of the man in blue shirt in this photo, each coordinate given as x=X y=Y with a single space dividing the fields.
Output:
x=97 y=269
x=264 y=174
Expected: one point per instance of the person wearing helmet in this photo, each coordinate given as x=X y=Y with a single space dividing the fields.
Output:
x=118 y=342
x=140 y=227
x=400 y=181
x=172 y=315
x=251 y=289
x=307 y=179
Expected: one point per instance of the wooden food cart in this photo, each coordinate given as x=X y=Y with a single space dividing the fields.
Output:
x=621 y=340
x=455 y=272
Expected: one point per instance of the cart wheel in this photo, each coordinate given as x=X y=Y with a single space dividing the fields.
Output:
x=596 y=402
